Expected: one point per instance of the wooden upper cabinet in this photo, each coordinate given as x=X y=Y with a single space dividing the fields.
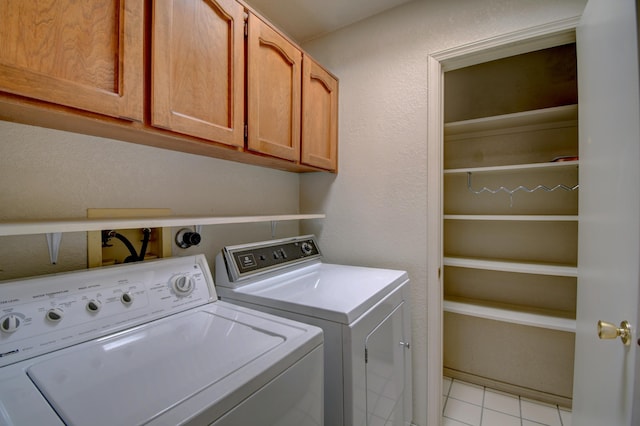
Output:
x=207 y=69
x=198 y=69
x=319 y=116
x=82 y=54
x=273 y=92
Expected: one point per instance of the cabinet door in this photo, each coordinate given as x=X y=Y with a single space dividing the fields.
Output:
x=388 y=361
x=319 y=116
x=198 y=69
x=82 y=54
x=273 y=98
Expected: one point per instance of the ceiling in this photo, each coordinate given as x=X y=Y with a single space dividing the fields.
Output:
x=304 y=20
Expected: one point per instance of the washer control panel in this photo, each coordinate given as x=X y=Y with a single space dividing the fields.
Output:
x=256 y=258
x=39 y=315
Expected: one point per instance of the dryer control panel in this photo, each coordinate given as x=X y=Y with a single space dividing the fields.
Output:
x=43 y=314
x=257 y=258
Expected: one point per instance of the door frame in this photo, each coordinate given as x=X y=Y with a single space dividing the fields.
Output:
x=510 y=44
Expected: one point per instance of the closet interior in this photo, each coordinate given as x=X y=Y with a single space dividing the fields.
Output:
x=510 y=223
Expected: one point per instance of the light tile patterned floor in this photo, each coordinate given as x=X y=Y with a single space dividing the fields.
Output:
x=465 y=404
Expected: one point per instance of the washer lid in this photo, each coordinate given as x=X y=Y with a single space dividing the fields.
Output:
x=336 y=293
x=135 y=376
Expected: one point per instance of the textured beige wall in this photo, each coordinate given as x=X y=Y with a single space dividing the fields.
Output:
x=376 y=206
x=53 y=174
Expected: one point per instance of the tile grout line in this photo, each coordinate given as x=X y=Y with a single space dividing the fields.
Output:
x=446 y=399
x=520 y=410
x=559 y=415
x=466 y=402
x=484 y=407
x=484 y=392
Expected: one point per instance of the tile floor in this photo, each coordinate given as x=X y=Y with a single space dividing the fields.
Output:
x=466 y=404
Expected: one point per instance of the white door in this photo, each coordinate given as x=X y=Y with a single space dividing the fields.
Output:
x=609 y=229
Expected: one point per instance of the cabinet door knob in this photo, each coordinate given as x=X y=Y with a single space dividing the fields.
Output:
x=606 y=330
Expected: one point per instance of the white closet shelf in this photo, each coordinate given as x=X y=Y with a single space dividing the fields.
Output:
x=515 y=167
x=516 y=217
x=29 y=227
x=511 y=266
x=543 y=318
x=562 y=116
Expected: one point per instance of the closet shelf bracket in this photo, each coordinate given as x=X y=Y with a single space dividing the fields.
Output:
x=53 y=241
x=519 y=188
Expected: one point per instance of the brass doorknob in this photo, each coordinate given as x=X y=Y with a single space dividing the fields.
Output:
x=606 y=330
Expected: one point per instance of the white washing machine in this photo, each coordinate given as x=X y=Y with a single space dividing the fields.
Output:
x=364 y=313
x=149 y=343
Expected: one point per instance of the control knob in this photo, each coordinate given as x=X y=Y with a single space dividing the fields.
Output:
x=126 y=298
x=307 y=248
x=182 y=285
x=10 y=323
x=94 y=305
x=54 y=315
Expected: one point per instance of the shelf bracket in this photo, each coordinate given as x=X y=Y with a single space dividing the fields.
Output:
x=53 y=241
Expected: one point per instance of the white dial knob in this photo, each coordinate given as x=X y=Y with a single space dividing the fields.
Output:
x=94 y=305
x=182 y=285
x=10 y=323
x=55 y=315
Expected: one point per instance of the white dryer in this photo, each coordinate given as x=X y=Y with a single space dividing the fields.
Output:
x=149 y=343
x=364 y=313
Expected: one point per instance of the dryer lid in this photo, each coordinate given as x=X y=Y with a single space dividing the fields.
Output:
x=135 y=376
x=338 y=293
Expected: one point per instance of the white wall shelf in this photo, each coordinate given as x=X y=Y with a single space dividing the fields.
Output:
x=511 y=266
x=30 y=227
x=514 y=167
x=516 y=218
x=542 y=319
x=546 y=118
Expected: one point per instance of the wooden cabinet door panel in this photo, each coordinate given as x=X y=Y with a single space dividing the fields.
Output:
x=273 y=98
x=319 y=116
x=82 y=54
x=198 y=68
